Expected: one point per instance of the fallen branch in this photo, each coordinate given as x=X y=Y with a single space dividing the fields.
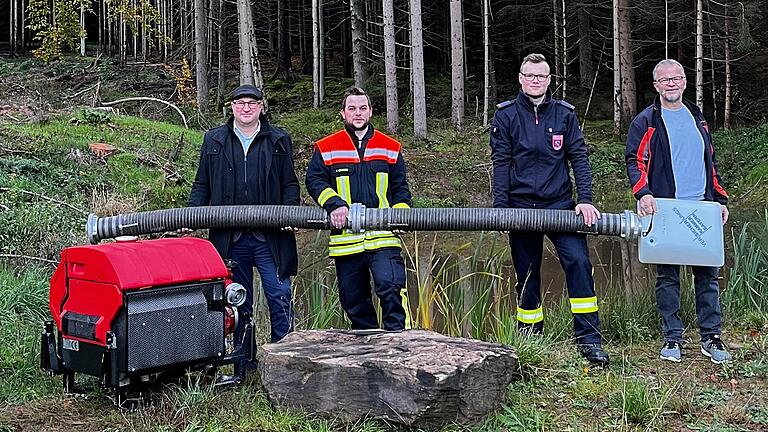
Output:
x=85 y=90
x=150 y=99
x=47 y=198
x=27 y=257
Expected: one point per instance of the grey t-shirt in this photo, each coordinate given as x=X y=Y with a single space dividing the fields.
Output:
x=687 y=150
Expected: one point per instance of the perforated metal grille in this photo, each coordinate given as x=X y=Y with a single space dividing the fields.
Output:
x=170 y=326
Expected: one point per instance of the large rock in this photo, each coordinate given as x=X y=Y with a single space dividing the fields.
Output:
x=417 y=378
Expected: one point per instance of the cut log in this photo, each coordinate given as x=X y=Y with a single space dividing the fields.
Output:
x=415 y=377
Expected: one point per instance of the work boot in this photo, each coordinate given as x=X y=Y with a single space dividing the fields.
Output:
x=714 y=348
x=671 y=351
x=594 y=354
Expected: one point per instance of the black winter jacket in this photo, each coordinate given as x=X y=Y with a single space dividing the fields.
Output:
x=215 y=184
x=649 y=160
x=532 y=149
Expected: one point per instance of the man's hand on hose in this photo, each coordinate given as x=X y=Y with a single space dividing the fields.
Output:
x=290 y=229
x=339 y=217
x=589 y=212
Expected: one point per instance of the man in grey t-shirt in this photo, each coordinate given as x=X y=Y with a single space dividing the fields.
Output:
x=670 y=155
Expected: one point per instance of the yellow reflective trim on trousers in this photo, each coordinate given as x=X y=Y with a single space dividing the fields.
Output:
x=382 y=182
x=335 y=251
x=345 y=239
x=584 y=305
x=370 y=235
x=406 y=307
x=401 y=205
x=528 y=316
x=325 y=195
x=342 y=186
x=382 y=243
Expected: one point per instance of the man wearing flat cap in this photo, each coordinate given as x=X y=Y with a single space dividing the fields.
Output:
x=248 y=161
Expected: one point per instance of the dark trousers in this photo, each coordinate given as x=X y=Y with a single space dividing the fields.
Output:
x=354 y=276
x=527 y=249
x=707 y=301
x=249 y=252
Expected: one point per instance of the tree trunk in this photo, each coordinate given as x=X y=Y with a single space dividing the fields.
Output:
x=244 y=26
x=13 y=27
x=134 y=34
x=284 y=71
x=586 y=67
x=565 y=53
x=700 y=54
x=617 y=97
x=556 y=33
x=457 y=65
x=628 y=85
x=666 y=29
x=100 y=45
x=727 y=97
x=123 y=39
x=321 y=33
x=82 y=26
x=316 y=41
x=390 y=65
x=201 y=55
x=486 y=60
x=358 y=41
x=222 y=43
x=712 y=67
x=417 y=70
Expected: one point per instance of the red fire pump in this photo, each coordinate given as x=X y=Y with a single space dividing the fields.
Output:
x=130 y=311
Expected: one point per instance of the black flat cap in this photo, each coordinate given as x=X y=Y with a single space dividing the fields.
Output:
x=247 y=90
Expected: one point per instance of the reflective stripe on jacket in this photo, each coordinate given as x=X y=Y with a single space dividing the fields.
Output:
x=373 y=174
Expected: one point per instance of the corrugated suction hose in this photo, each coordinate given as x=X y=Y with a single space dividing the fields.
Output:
x=625 y=224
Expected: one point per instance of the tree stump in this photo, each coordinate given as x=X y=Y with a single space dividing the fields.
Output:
x=415 y=377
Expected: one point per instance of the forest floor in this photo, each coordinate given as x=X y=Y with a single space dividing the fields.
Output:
x=49 y=181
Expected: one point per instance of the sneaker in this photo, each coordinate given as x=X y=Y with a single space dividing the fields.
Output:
x=671 y=351
x=594 y=354
x=714 y=348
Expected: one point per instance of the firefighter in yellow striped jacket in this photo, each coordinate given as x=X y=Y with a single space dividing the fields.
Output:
x=362 y=165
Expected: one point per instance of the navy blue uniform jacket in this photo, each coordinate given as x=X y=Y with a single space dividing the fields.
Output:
x=532 y=149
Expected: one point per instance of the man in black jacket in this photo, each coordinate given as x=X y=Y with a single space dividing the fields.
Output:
x=534 y=141
x=248 y=161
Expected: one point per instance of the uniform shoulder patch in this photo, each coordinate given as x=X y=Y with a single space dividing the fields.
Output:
x=505 y=104
x=566 y=104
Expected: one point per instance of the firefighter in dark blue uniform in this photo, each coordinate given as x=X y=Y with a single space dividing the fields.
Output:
x=534 y=140
x=361 y=165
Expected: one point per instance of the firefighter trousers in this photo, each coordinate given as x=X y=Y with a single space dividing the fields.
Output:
x=354 y=277
x=527 y=249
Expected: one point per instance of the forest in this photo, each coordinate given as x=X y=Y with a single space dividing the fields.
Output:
x=602 y=52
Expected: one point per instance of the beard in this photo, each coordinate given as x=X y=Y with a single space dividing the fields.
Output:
x=355 y=128
x=672 y=98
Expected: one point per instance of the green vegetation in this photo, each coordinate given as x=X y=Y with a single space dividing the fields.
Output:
x=460 y=285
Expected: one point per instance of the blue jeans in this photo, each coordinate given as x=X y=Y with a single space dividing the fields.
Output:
x=707 y=301
x=249 y=252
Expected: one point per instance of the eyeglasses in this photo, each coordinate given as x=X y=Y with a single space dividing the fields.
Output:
x=531 y=77
x=242 y=104
x=675 y=80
